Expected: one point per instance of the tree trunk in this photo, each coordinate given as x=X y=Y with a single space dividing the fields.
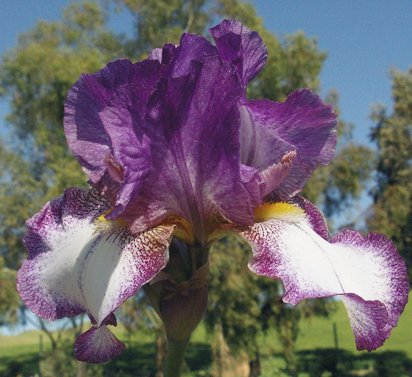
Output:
x=80 y=369
x=254 y=365
x=48 y=333
x=161 y=346
x=225 y=364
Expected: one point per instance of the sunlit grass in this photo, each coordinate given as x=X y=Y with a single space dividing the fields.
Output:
x=318 y=333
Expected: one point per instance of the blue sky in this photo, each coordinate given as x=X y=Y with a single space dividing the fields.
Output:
x=364 y=39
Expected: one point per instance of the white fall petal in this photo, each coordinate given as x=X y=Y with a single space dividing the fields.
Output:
x=367 y=271
x=80 y=263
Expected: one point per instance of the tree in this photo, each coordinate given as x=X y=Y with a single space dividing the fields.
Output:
x=392 y=194
x=160 y=22
x=234 y=307
x=9 y=300
x=18 y=177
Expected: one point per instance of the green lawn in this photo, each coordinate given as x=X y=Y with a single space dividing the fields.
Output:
x=316 y=335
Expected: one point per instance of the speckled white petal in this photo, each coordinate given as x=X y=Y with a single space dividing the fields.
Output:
x=79 y=264
x=368 y=271
x=117 y=264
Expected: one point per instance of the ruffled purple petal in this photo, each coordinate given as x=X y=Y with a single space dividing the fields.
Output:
x=177 y=59
x=161 y=138
x=131 y=147
x=368 y=272
x=242 y=47
x=88 y=133
x=193 y=130
x=171 y=137
x=192 y=48
x=302 y=123
x=78 y=263
x=97 y=345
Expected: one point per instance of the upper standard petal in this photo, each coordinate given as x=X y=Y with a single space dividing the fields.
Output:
x=86 y=120
x=242 y=47
x=178 y=122
x=193 y=126
x=168 y=141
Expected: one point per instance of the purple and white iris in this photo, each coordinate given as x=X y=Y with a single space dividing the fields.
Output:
x=174 y=150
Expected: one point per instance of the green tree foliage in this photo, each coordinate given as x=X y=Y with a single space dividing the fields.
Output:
x=60 y=362
x=233 y=297
x=20 y=190
x=392 y=195
x=9 y=301
x=159 y=22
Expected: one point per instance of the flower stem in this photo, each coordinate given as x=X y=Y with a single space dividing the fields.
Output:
x=174 y=358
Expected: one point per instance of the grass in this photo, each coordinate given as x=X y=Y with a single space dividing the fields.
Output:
x=22 y=343
x=316 y=341
x=318 y=333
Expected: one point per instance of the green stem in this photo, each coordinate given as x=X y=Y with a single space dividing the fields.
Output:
x=174 y=358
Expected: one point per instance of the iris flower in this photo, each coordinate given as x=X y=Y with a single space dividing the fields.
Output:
x=177 y=155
